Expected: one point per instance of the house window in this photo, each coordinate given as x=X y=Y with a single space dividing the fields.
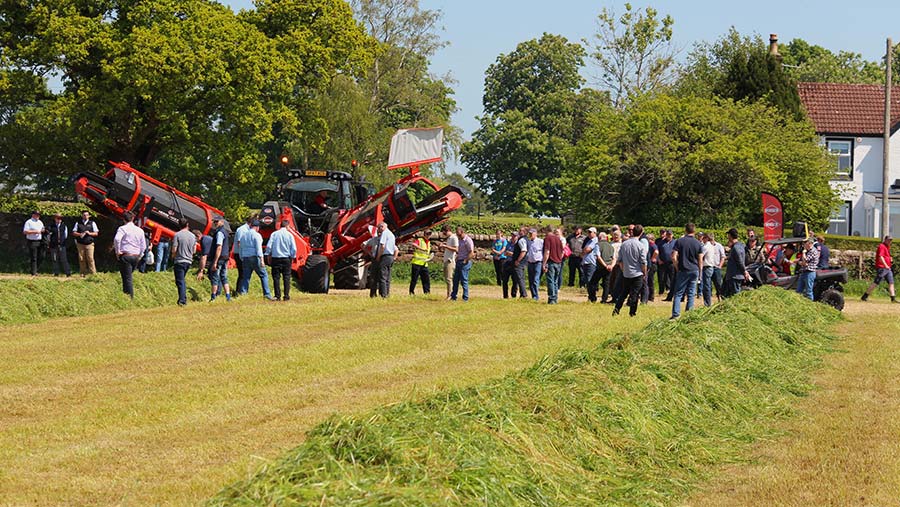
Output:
x=843 y=150
x=839 y=223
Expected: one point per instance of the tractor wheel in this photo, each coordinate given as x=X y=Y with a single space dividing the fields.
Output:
x=833 y=298
x=316 y=276
x=350 y=273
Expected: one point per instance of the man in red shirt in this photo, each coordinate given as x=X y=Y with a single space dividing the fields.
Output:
x=553 y=258
x=883 y=263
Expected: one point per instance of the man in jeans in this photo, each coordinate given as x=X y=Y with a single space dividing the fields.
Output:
x=590 y=251
x=808 y=261
x=184 y=244
x=252 y=259
x=883 y=267
x=534 y=257
x=552 y=263
x=687 y=257
x=449 y=246
x=130 y=245
x=632 y=261
x=464 y=258
x=281 y=251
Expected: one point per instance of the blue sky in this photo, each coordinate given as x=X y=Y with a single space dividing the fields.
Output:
x=479 y=31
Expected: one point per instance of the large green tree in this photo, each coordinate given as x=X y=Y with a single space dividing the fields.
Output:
x=186 y=90
x=533 y=115
x=810 y=62
x=669 y=160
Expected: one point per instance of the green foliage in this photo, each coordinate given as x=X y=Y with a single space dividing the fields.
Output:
x=639 y=420
x=812 y=63
x=359 y=116
x=188 y=91
x=633 y=51
x=530 y=122
x=667 y=159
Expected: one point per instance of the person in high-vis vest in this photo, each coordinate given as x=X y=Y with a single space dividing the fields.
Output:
x=421 y=256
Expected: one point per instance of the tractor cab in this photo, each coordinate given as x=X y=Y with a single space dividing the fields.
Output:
x=318 y=198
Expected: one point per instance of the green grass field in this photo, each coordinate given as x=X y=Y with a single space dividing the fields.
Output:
x=148 y=404
x=168 y=405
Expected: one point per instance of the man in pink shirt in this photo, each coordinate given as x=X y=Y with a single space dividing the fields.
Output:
x=883 y=263
x=130 y=244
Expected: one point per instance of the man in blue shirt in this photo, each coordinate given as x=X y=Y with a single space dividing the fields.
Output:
x=687 y=257
x=534 y=257
x=384 y=258
x=498 y=254
x=281 y=251
x=252 y=259
x=590 y=249
x=243 y=282
x=824 y=252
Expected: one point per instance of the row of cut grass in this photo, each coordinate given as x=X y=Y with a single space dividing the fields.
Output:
x=636 y=421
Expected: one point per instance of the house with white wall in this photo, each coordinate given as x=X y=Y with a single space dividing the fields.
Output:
x=850 y=120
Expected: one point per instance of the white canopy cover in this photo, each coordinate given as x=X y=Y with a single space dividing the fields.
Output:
x=412 y=147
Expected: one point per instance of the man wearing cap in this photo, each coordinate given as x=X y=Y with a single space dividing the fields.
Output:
x=217 y=260
x=34 y=230
x=85 y=232
x=59 y=254
x=252 y=259
x=130 y=244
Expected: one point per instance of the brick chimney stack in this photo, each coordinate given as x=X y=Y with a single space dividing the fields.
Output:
x=773 y=46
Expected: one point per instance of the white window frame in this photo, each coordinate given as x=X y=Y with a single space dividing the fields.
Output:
x=847 y=218
x=838 y=174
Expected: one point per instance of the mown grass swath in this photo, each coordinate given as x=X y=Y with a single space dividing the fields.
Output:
x=635 y=421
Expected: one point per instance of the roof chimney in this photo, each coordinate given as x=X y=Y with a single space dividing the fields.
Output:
x=773 y=45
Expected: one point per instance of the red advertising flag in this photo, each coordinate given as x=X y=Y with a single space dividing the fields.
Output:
x=773 y=214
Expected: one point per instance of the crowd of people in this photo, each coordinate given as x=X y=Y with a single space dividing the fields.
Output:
x=615 y=266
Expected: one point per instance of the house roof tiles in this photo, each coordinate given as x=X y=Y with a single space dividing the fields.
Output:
x=856 y=109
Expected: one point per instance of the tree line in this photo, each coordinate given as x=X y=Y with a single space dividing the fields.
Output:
x=207 y=99
x=654 y=141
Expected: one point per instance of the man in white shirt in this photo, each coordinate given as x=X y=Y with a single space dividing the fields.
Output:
x=450 y=247
x=384 y=258
x=130 y=245
x=34 y=230
x=534 y=257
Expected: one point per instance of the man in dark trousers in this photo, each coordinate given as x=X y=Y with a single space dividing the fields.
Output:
x=130 y=245
x=735 y=269
x=281 y=251
x=575 y=242
x=34 y=230
x=384 y=258
x=59 y=253
x=632 y=262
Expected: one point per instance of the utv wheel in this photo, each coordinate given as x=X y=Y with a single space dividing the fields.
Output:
x=316 y=276
x=833 y=298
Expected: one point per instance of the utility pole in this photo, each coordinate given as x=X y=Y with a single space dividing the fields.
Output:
x=886 y=167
